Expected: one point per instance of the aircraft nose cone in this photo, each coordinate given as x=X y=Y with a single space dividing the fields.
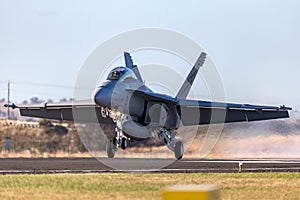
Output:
x=103 y=97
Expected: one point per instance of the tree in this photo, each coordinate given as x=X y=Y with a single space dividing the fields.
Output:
x=63 y=100
x=35 y=100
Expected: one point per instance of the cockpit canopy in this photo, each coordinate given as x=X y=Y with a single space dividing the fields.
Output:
x=121 y=73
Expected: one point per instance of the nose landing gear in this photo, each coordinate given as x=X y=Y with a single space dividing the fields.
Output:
x=111 y=149
x=124 y=143
x=113 y=145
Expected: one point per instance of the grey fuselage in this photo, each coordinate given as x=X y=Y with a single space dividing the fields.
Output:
x=124 y=93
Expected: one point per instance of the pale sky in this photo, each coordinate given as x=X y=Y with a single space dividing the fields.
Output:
x=254 y=44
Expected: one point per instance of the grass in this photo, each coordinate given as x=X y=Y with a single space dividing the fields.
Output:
x=146 y=186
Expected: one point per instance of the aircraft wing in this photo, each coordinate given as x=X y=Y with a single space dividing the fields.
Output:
x=194 y=112
x=84 y=111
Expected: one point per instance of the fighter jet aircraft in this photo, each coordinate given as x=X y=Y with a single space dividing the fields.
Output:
x=138 y=113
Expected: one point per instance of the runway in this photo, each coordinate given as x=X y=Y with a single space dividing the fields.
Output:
x=92 y=165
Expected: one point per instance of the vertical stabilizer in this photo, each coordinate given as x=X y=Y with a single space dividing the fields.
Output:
x=130 y=65
x=187 y=85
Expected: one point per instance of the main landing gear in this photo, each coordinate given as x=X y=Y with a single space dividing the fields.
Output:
x=113 y=145
x=167 y=136
x=178 y=150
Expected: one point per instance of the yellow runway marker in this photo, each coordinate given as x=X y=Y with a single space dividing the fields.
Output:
x=191 y=192
x=240 y=166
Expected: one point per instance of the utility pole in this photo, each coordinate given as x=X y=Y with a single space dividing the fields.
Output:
x=8 y=99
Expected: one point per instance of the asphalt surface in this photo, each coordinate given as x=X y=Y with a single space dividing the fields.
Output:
x=89 y=165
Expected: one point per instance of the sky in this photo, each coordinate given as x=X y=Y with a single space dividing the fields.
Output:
x=254 y=44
